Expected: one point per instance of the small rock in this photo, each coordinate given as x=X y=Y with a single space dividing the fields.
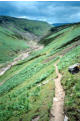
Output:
x=55 y=99
x=65 y=118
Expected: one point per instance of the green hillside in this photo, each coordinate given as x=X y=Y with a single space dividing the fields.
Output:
x=28 y=88
x=16 y=33
x=10 y=45
x=39 y=28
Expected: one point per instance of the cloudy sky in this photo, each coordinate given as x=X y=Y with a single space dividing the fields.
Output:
x=50 y=11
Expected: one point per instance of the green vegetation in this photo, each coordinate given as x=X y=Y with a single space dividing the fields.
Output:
x=23 y=89
x=28 y=88
x=71 y=84
x=10 y=46
x=38 y=28
x=16 y=33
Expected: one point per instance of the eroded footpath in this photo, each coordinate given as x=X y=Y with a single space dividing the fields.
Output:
x=57 y=110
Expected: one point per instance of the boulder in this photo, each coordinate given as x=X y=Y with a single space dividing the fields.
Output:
x=74 y=68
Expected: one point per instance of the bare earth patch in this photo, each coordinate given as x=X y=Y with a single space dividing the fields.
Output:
x=57 y=110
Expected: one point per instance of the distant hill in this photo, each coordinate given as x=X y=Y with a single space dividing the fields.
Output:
x=38 y=28
x=59 y=24
x=57 y=29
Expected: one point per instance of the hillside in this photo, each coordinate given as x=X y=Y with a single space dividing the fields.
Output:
x=38 y=28
x=27 y=89
x=16 y=35
x=10 y=45
x=59 y=24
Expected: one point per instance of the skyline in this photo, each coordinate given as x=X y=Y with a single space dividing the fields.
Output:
x=49 y=11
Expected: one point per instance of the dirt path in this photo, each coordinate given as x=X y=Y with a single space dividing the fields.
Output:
x=22 y=56
x=57 y=111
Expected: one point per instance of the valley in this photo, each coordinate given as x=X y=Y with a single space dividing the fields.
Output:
x=38 y=68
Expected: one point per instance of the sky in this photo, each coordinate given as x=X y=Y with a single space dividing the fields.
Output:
x=50 y=11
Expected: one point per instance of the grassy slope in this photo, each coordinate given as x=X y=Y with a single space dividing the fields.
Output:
x=16 y=33
x=23 y=94
x=38 y=28
x=10 y=45
x=71 y=84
